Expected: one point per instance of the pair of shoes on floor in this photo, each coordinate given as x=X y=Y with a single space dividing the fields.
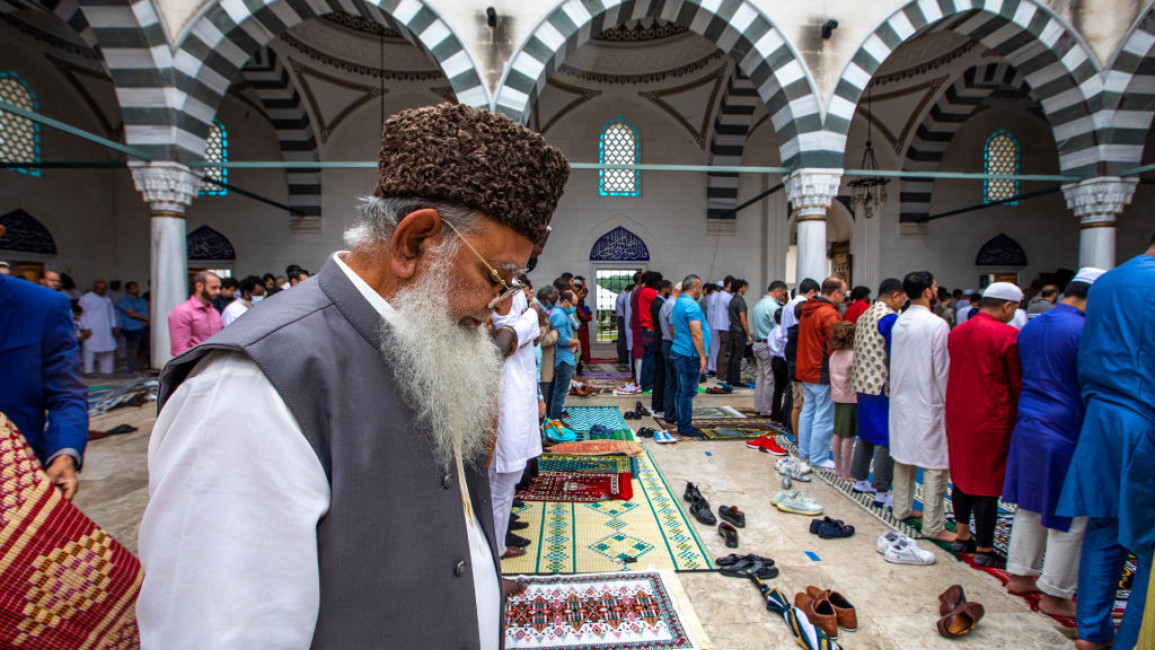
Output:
x=699 y=507
x=732 y=515
x=719 y=390
x=794 y=468
x=728 y=533
x=638 y=413
x=827 y=528
x=646 y=432
x=897 y=548
x=827 y=609
x=628 y=389
x=795 y=502
x=747 y=566
x=581 y=390
x=663 y=437
x=766 y=444
x=959 y=617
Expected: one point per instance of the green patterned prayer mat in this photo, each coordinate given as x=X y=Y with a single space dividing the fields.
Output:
x=615 y=464
x=717 y=413
x=588 y=537
x=583 y=418
x=724 y=433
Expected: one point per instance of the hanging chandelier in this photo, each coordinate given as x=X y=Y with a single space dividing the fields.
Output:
x=868 y=192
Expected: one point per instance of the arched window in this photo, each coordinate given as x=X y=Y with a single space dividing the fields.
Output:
x=19 y=136
x=619 y=146
x=216 y=151
x=1001 y=156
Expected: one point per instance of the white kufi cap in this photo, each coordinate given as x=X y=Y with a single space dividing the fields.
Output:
x=1004 y=291
x=1088 y=274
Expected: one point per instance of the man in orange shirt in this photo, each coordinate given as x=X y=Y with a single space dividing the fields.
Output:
x=816 y=424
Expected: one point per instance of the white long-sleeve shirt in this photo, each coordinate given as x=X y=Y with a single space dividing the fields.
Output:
x=518 y=433
x=99 y=316
x=229 y=539
x=919 y=366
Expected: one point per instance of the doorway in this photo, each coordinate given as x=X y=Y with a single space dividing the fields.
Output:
x=610 y=282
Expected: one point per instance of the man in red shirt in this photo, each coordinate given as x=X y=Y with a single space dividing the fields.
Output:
x=649 y=292
x=981 y=398
x=816 y=424
x=859 y=303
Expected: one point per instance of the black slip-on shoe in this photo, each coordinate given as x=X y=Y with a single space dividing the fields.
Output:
x=700 y=508
x=518 y=503
x=518 y=525
x=732 y=515
x=728 y=533
x=692 y=494
x=512 y=539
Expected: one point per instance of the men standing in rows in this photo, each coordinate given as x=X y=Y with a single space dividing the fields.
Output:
x=1050 y=414
x=739 y=331
x=985 y=381
x=807 y=289
x=761 y=327
x=194 y=320
x=228 y=293
x=919 y=369
x=252 y=291
x=691 y=340
x=98 y=327
x=816 y=422
x=719 y=318
x=134 y=322
x=666 y=323
x=1044 y=302
x=1109 y=479
x=871 y=381
x=565 y=357
x=658 y=397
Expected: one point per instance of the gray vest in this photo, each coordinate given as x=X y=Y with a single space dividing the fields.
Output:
x=393 y=548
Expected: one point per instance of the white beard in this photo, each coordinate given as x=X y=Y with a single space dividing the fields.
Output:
x=448 y=374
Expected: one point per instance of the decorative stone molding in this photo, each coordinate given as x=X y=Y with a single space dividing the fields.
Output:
x=305 y=225
x=166 y=186
x=810 y=191
x=913 y=229
x=1097 y=201
x=721 y=227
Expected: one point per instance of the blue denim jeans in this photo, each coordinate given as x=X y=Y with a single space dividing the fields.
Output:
x=562 y=374
x=669 y=406
x=816 y=423
x=1099 y=571
x=688 y=369
x=648 y=360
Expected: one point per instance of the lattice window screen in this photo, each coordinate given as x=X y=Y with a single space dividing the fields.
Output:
x=1001 y=156
x=619 y=146
x=19 y=136
x=217 y=151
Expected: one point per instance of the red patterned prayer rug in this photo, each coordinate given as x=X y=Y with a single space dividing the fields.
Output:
x=578 y=487
x=65 y=584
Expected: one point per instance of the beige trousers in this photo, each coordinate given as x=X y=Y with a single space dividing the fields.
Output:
x=934 y=482
x=1030 y=539
x=764 y=383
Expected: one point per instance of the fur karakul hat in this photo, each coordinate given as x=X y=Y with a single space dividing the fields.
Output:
x=473 y=158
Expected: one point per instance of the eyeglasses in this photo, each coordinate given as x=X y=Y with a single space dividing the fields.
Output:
x=507 y=289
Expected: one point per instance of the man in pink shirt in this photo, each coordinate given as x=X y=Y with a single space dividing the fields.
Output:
x=194 y=320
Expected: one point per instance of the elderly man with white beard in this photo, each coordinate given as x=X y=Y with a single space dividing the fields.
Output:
x=317 y=473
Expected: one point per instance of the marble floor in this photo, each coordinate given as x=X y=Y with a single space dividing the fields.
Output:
x=897 y=604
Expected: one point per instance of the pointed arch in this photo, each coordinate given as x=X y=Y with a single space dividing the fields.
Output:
x=1001 y=250
x=1056 y=64
x=206 y=244
x=25 y=233
x=737 y=27
x=1129 y=96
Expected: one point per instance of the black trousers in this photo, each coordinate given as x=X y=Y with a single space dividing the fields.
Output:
x=985 y=509
x=658 y=397
x=781 y=388
x=737 y=353
x=623 y=332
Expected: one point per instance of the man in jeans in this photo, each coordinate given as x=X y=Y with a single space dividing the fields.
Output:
x=691 y=340
x=816 y=422
x=564 y=360
x=134 y=324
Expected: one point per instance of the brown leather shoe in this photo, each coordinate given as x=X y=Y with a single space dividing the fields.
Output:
x=845 y=613
x=513 y=551
x=950 y=599
x=819 y=611
x=960 y=622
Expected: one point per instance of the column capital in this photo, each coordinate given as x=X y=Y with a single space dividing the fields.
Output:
x=166 y=186
x=810 y=191
x=1097 y=201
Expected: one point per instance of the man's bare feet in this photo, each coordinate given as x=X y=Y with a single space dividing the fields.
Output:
x=513 y=551
x=944 y=536
x=1054 y=606
x=915 y=514
x=1092 y=645
x=511 y=588
x=1021 y=585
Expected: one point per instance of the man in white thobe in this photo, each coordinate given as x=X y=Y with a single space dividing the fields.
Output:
x=919 y=366
x=98 y=327
x=518 y=435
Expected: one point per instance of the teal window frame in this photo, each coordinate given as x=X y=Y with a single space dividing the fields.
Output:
x=990 y=184
x=208 y=189
x=36 y=141
x=603 y=177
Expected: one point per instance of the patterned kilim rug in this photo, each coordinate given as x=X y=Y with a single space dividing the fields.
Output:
x=717 y=413
x=65 y=584
x=725 y=433
x=578 y=487
x=583 y=418
x=646 y=610
x=586 y=537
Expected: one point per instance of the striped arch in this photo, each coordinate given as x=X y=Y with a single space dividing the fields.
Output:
x=953 y=108
x=272 y=84
x=737 y=27
x=1056 y=64
x=1129 y=97
x=67 y=10
x=228 y=32
x=731 y=126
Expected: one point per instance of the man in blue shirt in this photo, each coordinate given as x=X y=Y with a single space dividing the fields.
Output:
x=564 y=362
x=133 y=323
x=691 y=340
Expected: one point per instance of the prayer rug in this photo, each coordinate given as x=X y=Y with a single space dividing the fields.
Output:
x=585 y=537
x=65 y=584
x=605 y=375
x=583 y=418
x=612 y=464
x=597 y=448
x=647 y=610
x=717 y=413
x=724 y=433
x=578 y=487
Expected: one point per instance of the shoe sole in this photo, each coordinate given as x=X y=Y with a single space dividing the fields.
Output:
x=772 y=453
x=785 y=508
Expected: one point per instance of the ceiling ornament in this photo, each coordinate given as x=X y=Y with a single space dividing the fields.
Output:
x=75 y=76
x=581 y=96
x=360 y=24
x=643 y=77
x=641 y=31
x=360 y=69
x=309 y=78
x=923 y=68
x=51 y=39
x=868 y=192
x=661 y=97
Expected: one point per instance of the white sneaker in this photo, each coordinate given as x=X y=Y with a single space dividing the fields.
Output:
x=907 y=552
x=659 y=414
x=864 y=487
x=888 y=539
x=789 y=467
x=883 y=500
x=663 y=437
x=803 y=467
x=827 y=464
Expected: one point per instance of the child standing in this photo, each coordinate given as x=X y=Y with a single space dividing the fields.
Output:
x=845 y=400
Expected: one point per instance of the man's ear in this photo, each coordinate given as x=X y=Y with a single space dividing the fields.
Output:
x=411 y=239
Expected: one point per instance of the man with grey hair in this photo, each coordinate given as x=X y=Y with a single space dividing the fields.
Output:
x=691 y=341
x=318 y=469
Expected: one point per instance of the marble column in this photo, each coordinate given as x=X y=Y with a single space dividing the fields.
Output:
x=168 y=188
x=810 y=192
x=1096 y=202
